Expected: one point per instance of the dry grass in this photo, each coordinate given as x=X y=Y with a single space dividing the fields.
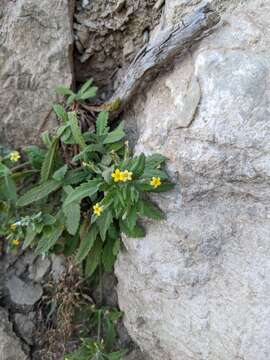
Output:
x=57 y=310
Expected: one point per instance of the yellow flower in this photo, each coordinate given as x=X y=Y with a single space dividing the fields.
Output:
x=155 y=182
x=16 y=242
x=118 y=175
x=14 y=156
x=127 y=175
x=97 y=209
x=13 y=226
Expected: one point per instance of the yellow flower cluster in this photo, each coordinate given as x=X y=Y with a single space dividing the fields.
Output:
x=124 y=176
x=14 y=156
x=155 y=182
x=13 y=226
x=16 y=242
x=97 y=209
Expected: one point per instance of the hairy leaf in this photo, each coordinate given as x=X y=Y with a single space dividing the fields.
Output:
x=72 y=216
x=49 y=161
x=75 y=129
x=86 y=244
x=88 y=94
x=102 y=123
x=39 y=192
x=60 y=173
x=60 y=112
x=63 y=90
x=115 y=135
x=94 y=258
x=82 y=191
x=104 y=221
x=85 y=86
x=49 y=238
x=149 y=210
x=136 y=232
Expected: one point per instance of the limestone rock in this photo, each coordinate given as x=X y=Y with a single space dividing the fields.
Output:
x=197 y=287
x=10 y=346
x=23 y=293
x=35 y=44
x=25 y=327
x=39 y=269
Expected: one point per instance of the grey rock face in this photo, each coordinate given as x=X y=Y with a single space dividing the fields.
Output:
x=23 y=293
x=10 y=346
x=197 y=287
x=35 y=44
x=25 y=327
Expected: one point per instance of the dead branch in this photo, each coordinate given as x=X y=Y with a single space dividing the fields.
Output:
x=162 y=50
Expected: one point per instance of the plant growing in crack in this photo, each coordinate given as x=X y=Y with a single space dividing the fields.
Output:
x=78 y=193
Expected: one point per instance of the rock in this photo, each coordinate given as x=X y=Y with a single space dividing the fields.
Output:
x=110 y=25
x=136 y=355
x=35 y=47
x=128 y=48
x=58 y=267
x=22 y=293
x=25 y=327
x=39 y=269
x=10 y=346
x=197 y=286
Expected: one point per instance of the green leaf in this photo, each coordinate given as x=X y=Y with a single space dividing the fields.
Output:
x=102 y=123
x=75 y=129
x=60 y=173
x=75 y=176
x=35 y=155
x=154 y=160
x=117 y=246
x=136 y=232
x=39 y=192
x=60 y=112
x=131 y=218
x=93 y=259
x=115 y=135
x=71 y=243
x=49 y=161
x=8 y=186
x=46 y=139
x=149 y=173
x=165 y=186
x=89 y=149
x=71 y=99
x=82 y=191
x=48 y=219
x=108 y=257
x=86 y=244
x=72 y=217
x=88 y=94
x=104 y=221
x=30 y=236
x=138 y=165
x=49 y=238
x=63 y=90
x=85 y=86
x=149 y=210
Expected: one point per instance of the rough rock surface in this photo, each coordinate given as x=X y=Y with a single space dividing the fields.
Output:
x=35 y=49
x=107 y=36
x=197 y=286
x=10 y=347
x=22 y=277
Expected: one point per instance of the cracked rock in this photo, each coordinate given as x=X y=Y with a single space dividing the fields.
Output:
x=23 y=293
x=10 y=346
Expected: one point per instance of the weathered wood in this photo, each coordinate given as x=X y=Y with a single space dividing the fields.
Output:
x=162 y=50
